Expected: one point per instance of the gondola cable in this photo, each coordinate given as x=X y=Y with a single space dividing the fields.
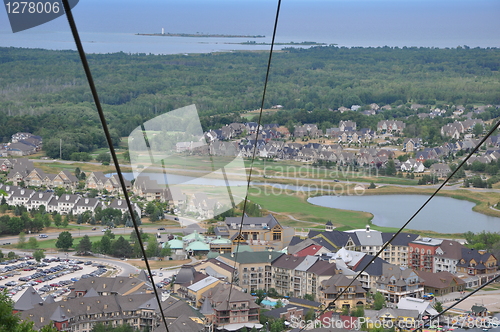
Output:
x=97 y=102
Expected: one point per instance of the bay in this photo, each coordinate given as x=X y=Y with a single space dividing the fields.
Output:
x=442 y=214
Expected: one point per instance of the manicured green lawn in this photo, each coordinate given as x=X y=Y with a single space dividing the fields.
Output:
x=51 y=244
x=298 y=207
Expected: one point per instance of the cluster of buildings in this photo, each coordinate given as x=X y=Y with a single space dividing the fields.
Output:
x=112 y=301
x=257 y=234
x=74 y=204
x=22 y=144
x=320 y=263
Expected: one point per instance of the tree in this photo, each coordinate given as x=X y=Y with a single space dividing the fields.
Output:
x=85 y=245
x=390 y=168
x=309 y=297
x=378 y=301
x=165 y=251
x=477 y=130
x=153 y=249
x=64 y=241
x=21 y=242
x=11 y=255
x=38 y=255
x=122 y=248
x=372 y=186
x=57 y=219
x=260 y=295
x=156 y=215
x=279 y=304
x=103 y=157
x=438 y=306
x=105 y=245
x=100 y=327
x=32 y=243
x=358 y=312
x=345 y=310
x=150 y=208
x=46 y=220
x=65 y=222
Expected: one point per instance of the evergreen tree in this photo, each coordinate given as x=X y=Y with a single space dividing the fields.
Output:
x=85 y=245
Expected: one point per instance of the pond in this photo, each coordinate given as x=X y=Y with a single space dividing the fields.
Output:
x=442 y=214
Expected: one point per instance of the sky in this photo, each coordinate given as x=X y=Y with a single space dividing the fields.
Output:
x=450 y=22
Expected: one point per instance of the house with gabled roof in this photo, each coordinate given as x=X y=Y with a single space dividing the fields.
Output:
x=424 y=307
x=260 y=232
x=233 y=309
x=35 y=178
x=81 y=314
x=20 y=170
x=373 y=270
x=121 y=204
x=412 y=144
x=390 y=126
x=397 y=250
x=477 y=262
x=20 y=149
x=64 y=179
x=28 y=300
x=38 y=199
x=20 y=196
x=440 y=170
x=396 y=283
x=254 y=268
x=347 y=125
x=354 y=294
x=447 y=256
x=87 y=204
x=334 y=240
x=441 y=283
x=66 y=203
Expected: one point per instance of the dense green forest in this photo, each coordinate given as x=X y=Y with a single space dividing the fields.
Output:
x=45 y=92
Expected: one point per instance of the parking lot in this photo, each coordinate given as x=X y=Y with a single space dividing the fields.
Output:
x=52 y=276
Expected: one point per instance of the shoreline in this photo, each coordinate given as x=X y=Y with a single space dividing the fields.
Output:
x=168 y=34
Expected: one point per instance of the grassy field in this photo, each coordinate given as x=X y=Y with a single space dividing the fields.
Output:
x=56 y=167
x=296 y=205
x=51 y=244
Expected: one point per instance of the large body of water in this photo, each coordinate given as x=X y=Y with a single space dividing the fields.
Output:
x=110 y=26
x=442 y=214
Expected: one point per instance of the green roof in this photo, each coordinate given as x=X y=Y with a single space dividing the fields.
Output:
x=194 y=236
x=253 y=257
x=221 y=241
x=244 y=248
x=198 y=246
x=176 y=244
x=212 y=254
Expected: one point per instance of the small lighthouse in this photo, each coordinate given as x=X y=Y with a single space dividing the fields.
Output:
x=162 y=31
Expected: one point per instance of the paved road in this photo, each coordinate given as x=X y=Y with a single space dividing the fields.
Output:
x=190 y=228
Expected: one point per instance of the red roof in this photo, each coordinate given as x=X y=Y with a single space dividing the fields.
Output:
x=309 y=251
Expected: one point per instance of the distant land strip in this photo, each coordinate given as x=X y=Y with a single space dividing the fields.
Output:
x=251 y=42
x=168 y=34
